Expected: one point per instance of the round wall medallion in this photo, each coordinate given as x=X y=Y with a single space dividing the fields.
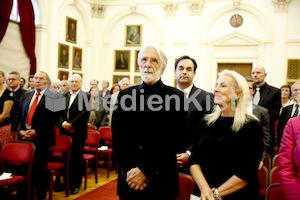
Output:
x=236 y=20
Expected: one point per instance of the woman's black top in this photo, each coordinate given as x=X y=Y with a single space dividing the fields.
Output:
x=222 y=153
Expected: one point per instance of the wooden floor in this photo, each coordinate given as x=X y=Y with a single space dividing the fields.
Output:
x=91 y=185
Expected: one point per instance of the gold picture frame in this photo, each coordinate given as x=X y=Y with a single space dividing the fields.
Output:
x=71 y=30
x=63 y=75
x=133 y=35
x=122 y=61
x=63 y=56
x=136 y=67
x=117 y=78
x=77 y=59
x=137 y=80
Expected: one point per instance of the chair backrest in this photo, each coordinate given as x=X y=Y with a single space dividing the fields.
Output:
x=263 y=176
x=274 y=178
x=18 y=153
x=274 y=192
x=91 y=127
x=186 y=187
x=63 y=143
x=105 y=133
x=93 y=138
x=268 y=162
x=275 y=161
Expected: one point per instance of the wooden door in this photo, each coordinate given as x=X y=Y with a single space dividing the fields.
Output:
x=242 y=68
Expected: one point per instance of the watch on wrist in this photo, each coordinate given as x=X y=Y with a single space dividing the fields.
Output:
x=216 y=194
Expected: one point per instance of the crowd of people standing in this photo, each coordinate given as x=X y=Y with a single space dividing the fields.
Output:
x=220 y=139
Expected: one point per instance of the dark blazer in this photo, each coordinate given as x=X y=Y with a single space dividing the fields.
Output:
x=206 y=101
x=101 y=114
x=13 y=113
x=43 y=120
x=106 y=94
x=263 y=116
x=286 y=114
x=77 y=118
x=147 y=139
x=270 y=98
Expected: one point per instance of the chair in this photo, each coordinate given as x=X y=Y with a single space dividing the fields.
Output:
x=274 y=192
x=263 y=176
x=268 y=162
x=91 y=146
x=60 y=165
x=14 y=135
x=106 y=135
x=91 y=127
x=275 y=161
x=273 y=177
x=17 y=155
x=186 y=187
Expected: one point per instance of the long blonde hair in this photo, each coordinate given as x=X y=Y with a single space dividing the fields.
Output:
x=241 y=115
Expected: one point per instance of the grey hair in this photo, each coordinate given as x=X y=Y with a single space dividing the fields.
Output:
x=298 y=82
x=161 y=54
x=75 y=75
x=16 y=73
x=124 y=79
x=106 y=82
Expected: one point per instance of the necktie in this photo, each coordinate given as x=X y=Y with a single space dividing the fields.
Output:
x=256 y=97
x=296 y=111
x=32 y=109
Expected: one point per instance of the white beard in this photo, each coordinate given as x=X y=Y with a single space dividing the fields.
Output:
x=148 y=78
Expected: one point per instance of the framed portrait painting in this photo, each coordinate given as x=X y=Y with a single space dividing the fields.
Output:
x=137 y=80
x=63 y=75
x=71 y=30
x=133 y=35
x=63 y=56
x=117 y=78
x=136 y=67
x=77 y=59
x=122 y=60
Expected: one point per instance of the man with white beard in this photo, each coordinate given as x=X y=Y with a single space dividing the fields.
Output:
x=147 y=125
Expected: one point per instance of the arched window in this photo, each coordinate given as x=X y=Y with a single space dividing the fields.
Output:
x=14 y=15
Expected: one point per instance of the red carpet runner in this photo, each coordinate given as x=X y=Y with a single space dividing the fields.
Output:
x=105 y=192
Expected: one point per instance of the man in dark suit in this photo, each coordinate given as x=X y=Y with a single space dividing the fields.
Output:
x=201 y=103
x=263 y=117
x=73 y=122
x=268 y=97
x=122 y=62
x=13 y=82
x=36 y=124
x=146 y=126
x=105 y=91
x=288 y=112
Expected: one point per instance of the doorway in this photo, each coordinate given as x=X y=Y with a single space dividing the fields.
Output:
x=242 y=68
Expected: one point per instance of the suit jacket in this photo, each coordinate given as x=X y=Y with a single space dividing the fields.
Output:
x=101 y=114
x=106 y=94
x=78 y=118
x=13 y=113
x=43 y=120
x=270 y=98
x=286 y=114
x=263 y=116
x=206 y=101
x=289 y=160
x=147 y=139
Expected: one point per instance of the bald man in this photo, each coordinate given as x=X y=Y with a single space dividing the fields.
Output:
x=269 y=98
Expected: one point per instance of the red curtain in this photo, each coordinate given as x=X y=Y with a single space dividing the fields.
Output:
x=28 y=30
x=5 y=10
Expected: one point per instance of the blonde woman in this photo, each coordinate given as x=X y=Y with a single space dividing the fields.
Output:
x=229 y=145
x=6 y=103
